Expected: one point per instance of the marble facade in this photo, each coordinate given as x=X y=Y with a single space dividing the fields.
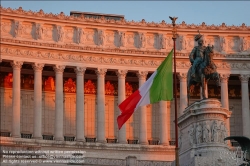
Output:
x=62 y=78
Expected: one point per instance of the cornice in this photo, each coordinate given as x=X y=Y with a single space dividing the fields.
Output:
x=142 y=24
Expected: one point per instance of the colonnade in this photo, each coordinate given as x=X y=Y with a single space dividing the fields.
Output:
x=101 y=72
x=80 y=135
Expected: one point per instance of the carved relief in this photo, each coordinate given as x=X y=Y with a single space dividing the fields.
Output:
x=79 y=35
x=129 y=89
x=121 y=73
x=16 y=64
x=100 y=72
x=224 y=77
x=198 y=133
x=182 y=76
x=101 y=37
x=191 y=134
x=206 y=132
x=142 y=40
x=58 y=68
x=109 y=88
x=89 y=87
x=59 y=33
x=142 y=74
x=37 y=66
x=244 y=77
x=223 y=132
x=162 y=41
x=223 y=44
x=122 y=39
x=183 y=43
x=243 y=44
x=215 y=132
x=69 y=86
x=18 y=29
x=79 y=70
x=39 y=31
x=49 y=84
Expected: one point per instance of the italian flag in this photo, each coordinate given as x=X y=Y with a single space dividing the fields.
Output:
x=158 y=87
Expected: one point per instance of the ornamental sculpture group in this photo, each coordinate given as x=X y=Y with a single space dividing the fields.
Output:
x=202 y=132
x=203 y=68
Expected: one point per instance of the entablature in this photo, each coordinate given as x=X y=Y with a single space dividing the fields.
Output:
x=111 y=61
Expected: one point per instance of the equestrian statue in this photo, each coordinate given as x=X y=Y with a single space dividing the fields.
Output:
x=203 y=68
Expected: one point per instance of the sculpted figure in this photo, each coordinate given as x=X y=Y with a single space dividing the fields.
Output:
x=79 y=35
x=206 y=132
x=60 y=33
x=180 y=139
x=215 y=132
x=122 y=38
x=197 y=54
x=18 y=28
x=101 y=37
x=243 y=44
x=142 y=40
x=191 y=133
x=39 y=31
x=162 y=42
x=199 y=133
x=183 y=43
x=223 y=44
x=223 y=131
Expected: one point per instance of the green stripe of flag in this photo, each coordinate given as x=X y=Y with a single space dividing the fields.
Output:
x=162 y=86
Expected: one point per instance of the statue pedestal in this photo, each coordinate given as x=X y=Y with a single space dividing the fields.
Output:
x=202 y=130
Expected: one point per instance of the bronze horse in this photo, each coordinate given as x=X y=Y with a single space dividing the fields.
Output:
x=205 y=71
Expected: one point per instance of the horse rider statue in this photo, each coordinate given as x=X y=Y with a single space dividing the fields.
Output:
x=203 y=67
x=197 y=54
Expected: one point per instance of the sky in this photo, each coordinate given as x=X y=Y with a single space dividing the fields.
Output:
x=210 y=12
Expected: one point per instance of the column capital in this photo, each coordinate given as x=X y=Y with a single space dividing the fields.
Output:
x=58 y=68
x=100 y=72
x=16 y=64
x=244 y=77
x=224 y=77
x=182 y=76
x=121 y=73
x=142 y=74
x=37 y=66
x=79 y=70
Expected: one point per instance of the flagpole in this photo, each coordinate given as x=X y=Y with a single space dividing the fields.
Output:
x=174 y=31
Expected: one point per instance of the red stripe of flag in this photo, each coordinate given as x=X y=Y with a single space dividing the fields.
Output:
x=127 y=108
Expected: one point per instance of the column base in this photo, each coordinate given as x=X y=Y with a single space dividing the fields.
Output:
x=37 y=138
x=16 y=136
x=102 y=141
x=80 y=140
x=143 y=143
x=123 y=142
x=59 y=139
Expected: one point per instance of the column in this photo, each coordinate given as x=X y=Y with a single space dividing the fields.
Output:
x=224 y=96
x=183 y=92
x=143 y=139
x=37 y=116
x=164 y=123
x=80 y=103
x=245 y=104
x=101 y=104
x=59 y=103
x=121 y=97
x=16 y=95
